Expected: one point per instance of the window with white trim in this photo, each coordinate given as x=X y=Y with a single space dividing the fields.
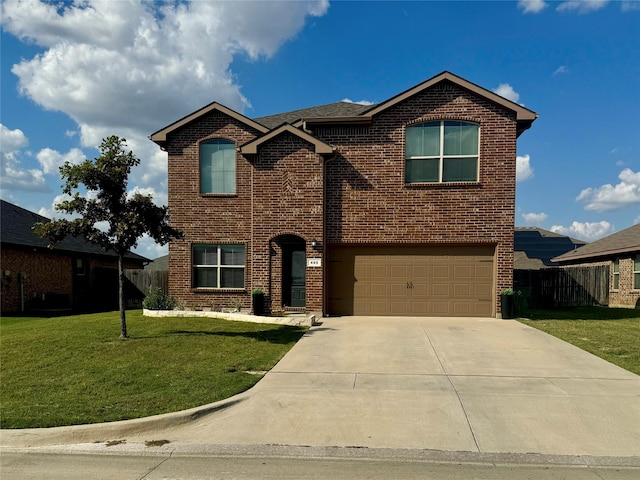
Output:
x=443 y=151
x=636 y=272
x=616 y=274
x=218 y=166
x=218 y=266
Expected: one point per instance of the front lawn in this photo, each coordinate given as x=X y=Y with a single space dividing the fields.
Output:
x=609 y=333
x=73 y=370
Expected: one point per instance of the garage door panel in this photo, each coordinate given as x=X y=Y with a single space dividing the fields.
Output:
x=398 y=290
x=440 y=290
x=411 y=280
x=441 y=271
x=379 y=271
x=398 y=271
x=441 y=308
x=462 y=272
x=462 y=290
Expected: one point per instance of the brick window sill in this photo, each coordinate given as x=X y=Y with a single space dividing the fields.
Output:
x=442 y=185
x=218 y=290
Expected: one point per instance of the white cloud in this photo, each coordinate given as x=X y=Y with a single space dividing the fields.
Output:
x=588 y=231
x=505 y=90
x=51 y=212
x=532 y=6
x=630 y=5
x=131 y=67
x=560 y=70
x=147 y=247
x=610 y=197
x=159 y=198
x=12 y=175
x=523 y=168
x=51 y=160
x=582 y=6
x=107 y=63
x=534 y=218
x=360 y=102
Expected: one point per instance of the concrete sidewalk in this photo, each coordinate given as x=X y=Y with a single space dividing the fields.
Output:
x=483 y=386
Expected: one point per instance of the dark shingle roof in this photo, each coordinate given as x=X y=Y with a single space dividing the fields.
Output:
x=158 y=264
x=338 y=109
x=16 y=229
x=624 y=241
x=538 y=246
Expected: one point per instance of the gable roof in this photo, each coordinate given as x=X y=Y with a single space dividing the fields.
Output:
x=624 y=241
x=251 y=148
x=534 y=247
x=160 y=137
x=348 y=113
x=16 y=229
x=524 y=116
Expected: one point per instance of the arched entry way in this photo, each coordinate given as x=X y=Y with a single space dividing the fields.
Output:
x=293 y=270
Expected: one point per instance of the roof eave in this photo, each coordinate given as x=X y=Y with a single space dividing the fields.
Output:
x=595 y=255
x=322 y=148
x=524 y=116
x=160 y=137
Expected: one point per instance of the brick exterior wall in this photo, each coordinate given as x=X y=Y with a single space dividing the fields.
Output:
x=43 y=272
x=357 y=197
x=207 y=218
x=625 y=296
x=53 y=272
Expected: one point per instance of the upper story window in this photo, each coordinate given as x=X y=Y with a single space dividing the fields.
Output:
x=443 y=151
x=218 y=166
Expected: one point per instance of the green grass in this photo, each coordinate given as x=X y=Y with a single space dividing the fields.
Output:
x=74 y=370
x=609 y=333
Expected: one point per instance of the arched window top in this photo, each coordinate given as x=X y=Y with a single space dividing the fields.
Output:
x=218 y=141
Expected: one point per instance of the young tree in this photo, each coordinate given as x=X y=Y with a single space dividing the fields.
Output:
x=126 y=217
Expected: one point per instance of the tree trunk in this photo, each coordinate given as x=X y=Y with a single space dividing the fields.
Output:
x=123 y=319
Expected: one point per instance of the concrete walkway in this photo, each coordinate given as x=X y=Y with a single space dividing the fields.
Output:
x=483 y=386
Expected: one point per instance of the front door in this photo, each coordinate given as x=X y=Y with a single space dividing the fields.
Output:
x=294 y=277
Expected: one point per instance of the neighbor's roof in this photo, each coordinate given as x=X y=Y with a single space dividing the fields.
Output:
x=534 y=247
x=345 y=112
x=16 y=229
x=624 y=241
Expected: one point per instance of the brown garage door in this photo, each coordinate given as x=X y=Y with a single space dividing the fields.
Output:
x=431 y=281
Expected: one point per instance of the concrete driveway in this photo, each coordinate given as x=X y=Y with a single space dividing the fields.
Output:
x=453 y=384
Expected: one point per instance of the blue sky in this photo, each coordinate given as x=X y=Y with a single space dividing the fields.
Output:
x=75 y=72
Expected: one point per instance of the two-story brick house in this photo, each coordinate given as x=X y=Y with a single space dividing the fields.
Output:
x=401 y=208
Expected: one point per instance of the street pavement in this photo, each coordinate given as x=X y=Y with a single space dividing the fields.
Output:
x=463 y=390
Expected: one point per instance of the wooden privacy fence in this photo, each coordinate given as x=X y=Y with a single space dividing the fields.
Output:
x=141 y=280
x=564 y=286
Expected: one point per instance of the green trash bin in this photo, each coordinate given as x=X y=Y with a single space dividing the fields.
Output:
x=522 y=299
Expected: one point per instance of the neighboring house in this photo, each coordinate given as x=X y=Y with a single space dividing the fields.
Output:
x=535 y=247
x=75 y=275
x=401 y=208
x=621 y=251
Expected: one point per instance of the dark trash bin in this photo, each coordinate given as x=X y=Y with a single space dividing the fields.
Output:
x=507 y=305
x=257 y=302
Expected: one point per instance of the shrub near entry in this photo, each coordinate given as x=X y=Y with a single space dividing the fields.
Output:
x=156 y=299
